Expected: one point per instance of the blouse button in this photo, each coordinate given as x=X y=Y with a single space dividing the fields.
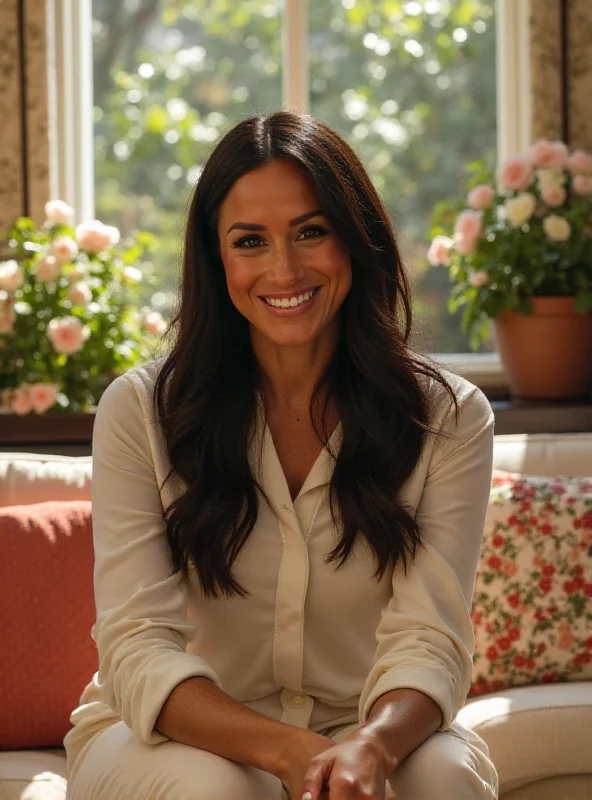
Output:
x=298 y=701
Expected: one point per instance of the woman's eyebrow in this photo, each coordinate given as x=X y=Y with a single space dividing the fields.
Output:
x=251 y=226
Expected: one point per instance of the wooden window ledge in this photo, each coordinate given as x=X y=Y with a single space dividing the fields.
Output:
x=71 y=434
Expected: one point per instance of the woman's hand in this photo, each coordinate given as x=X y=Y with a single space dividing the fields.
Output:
x=296 y=762
x=355 y=769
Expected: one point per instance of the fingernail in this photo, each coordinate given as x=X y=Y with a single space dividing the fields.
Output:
x=307 y=796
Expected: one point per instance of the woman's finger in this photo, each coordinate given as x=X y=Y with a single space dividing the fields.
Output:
x=314 y=781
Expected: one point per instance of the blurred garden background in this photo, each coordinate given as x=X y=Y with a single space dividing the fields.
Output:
x=411 y=85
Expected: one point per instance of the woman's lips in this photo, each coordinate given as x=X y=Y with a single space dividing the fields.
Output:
x=292 y=311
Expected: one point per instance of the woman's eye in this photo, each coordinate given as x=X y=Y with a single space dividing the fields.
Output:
x=247 y=242
x=313 y=232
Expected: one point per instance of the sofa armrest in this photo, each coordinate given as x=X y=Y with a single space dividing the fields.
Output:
x=27 y=478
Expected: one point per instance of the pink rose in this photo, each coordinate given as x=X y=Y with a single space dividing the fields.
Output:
x=468 y=224
x=57 y=211
x=515 y=174
x=467 y=230
x=47 y=269
x=478 y=278
x=42 y=396
x=11 y=275
x=63 y=249
x=439 y=251
x=553 y=195
x=94 y=237
x=154 y=322
x=67 y=334
x=580 y=163
x=482 y=196
x=582 y=184
x=549 y=155
x=20 y=401
x=465 y=245
x=7 y=319
x=79 y=294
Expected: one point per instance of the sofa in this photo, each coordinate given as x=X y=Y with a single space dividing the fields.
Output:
x=540 y=736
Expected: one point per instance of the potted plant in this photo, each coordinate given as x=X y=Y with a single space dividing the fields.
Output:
x=70 y=316
x=519 y=251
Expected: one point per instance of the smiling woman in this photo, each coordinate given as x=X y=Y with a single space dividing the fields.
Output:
x=316 y=486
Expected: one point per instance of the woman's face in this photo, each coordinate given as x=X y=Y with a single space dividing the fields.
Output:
x=286 y=271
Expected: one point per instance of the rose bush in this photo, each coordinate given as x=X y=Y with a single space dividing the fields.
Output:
x=523 y=231
x=70 y=316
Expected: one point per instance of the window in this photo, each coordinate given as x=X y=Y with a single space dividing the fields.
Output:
x=411 y=85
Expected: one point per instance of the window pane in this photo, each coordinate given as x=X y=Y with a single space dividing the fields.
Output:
x=411 y=85
x=170 y=78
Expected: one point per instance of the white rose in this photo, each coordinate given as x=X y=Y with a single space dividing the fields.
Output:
x=57 y=211
x=63 y=249
x=94 y=236
x=549 y=177
x=11 y=276
x=557 y=228
x=520 y=209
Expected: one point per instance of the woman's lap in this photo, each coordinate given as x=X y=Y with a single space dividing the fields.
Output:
x=118 y=767
x=449 y=764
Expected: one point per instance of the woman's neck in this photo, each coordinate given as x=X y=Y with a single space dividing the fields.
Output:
x=290 y=374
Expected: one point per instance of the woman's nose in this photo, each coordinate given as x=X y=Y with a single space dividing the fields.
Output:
x=286 y=268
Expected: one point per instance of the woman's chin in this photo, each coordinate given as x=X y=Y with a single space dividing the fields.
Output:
x=287 y=338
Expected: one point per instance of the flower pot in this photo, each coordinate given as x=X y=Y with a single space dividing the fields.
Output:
x=548 y=354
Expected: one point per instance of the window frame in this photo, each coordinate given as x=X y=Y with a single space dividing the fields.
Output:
x=71 y=114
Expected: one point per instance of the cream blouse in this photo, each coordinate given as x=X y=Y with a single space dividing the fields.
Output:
x=311 y=645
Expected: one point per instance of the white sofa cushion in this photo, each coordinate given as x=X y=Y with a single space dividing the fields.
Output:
x=535 y=732
x=544 y=454
x=37 y=478
x=33 y=775
x=33 y=478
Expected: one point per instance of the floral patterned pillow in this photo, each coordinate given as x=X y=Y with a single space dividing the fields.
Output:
x=532 y=606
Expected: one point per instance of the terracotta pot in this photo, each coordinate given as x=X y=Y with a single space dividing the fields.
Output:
x=548 y=354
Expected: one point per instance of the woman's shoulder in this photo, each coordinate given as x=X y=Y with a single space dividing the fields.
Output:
x=133 y=391
x=474 y=409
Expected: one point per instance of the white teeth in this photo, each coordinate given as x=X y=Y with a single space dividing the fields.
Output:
x=292 y=302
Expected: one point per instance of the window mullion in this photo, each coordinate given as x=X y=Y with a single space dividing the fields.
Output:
x=71 y=104
x=295 y=92
x=513 y=77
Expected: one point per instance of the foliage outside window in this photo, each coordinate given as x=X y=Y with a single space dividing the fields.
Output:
x=411 y=85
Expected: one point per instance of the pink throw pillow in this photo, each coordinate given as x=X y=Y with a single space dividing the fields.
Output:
x=46 y=614
x=532 y=606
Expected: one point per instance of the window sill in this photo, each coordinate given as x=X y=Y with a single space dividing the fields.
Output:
x=71 y=434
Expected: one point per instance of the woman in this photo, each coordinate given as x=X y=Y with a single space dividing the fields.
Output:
x=287 y=511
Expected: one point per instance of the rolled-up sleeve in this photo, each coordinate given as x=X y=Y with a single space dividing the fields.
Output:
x=141 y=628
x=425 y=637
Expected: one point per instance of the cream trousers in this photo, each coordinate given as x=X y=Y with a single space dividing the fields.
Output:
x=452 y=764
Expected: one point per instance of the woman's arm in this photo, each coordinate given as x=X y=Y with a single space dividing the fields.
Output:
x=398 y=723
x=425 y=637
x=200 y=714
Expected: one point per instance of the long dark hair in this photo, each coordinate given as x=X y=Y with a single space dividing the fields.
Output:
x=206 y=390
